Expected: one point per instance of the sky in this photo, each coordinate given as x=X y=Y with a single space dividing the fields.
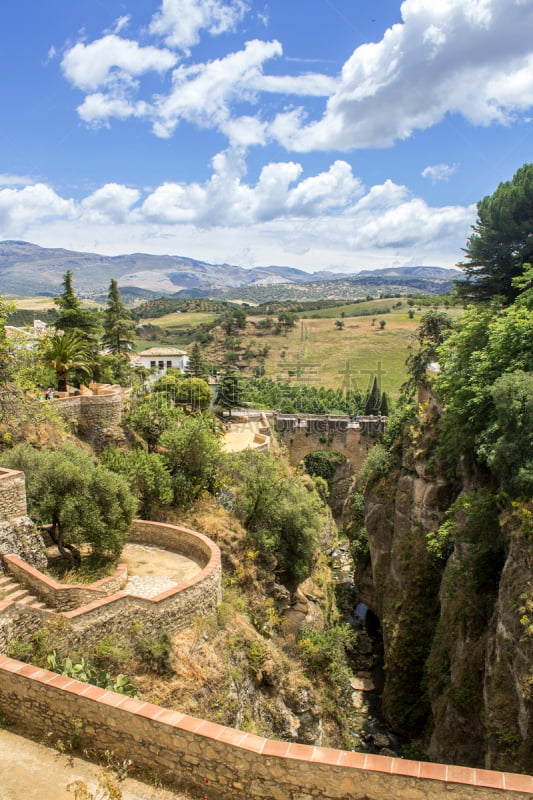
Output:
x=319 y=134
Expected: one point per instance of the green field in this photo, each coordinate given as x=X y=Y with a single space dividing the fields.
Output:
x=181 y=320
x=44 y=303
x=353 y=309
x=316 y=352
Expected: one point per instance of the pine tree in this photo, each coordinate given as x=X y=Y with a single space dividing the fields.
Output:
x=502 y=242
x=196 y=368
x=119 y=327
x=72 y=316
x=229 y=393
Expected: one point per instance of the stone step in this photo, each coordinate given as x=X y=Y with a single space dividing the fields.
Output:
x=9 y=587
x=16 y=593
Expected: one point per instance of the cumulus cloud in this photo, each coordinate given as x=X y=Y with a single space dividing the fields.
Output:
x=15 y=180
x=37 y=203
x=203 y=93
x=180 y=22
x=99 y=63
x=98 y=108
x=472 y=57
x=111 y=203
x=330 y=216
x=439 y=172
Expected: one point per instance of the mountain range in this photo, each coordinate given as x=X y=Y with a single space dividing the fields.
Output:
x=27 y=270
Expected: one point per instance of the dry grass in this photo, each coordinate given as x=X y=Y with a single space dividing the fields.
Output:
x=178 y=320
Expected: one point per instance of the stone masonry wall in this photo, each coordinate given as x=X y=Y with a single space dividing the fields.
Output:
x=220 y=763
x=303 y=434
x=12 y=494
x=18 y=534
x=63 y=596
x=173 y=610
x=84 y=410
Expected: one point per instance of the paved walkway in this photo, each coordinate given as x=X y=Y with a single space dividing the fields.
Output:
x=240 y=436
x=31 y=771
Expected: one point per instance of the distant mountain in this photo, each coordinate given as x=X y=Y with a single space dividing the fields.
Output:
x=27 y=269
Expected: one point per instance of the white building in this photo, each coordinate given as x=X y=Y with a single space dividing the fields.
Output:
x=159 y=359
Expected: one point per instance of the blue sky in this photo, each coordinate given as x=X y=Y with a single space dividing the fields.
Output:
x=325 y=134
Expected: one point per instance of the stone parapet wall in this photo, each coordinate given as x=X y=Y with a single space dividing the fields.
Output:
x=104 y=613
x=175 y=538
x=62 y=596
x=210 y=760
x=105 y=409
x=12 y=494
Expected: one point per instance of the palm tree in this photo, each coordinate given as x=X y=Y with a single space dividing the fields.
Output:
x=65 y=352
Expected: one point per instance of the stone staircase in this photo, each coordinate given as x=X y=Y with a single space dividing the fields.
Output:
x=11 y=590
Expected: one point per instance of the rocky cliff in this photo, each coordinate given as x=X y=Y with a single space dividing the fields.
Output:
x=450 y=578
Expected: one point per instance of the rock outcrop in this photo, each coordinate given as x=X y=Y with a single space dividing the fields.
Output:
x=457 y=623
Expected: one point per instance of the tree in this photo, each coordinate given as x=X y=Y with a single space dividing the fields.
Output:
x=196 y=367
x=147 y=474
x=192 y=453
x=507 y=447
x=71 y=315
x=82 y=503
x=486 y=343
x=431 y=333
x=281 y=514
x=230 y=389
x=502 y=242
x=119 y=327
x=340 y=324
x=150 y=416
x=193 y=392
x=66 y=352
x=382 y=324
x=373 y=401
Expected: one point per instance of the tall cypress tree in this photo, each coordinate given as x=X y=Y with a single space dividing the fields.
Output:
x=119 y=327
x=373 y=401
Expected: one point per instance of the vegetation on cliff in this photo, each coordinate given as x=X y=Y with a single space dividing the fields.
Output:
x=448 y=511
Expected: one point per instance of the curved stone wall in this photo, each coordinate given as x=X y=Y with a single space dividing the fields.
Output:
x=105 y=613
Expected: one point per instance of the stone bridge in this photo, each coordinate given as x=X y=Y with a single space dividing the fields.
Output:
x=353 y=437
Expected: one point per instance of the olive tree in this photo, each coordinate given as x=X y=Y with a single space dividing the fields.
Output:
x=81 y=502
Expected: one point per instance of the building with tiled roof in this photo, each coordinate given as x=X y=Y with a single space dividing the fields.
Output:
x=159 y=359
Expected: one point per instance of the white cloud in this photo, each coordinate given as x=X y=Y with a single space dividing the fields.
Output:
x=98 y=108
x=102 y=62
x=37 y=203
x=181 y=21
x=203 y=93
x=312 y=84
x=472 y=57
x=111 y=203
x=121 y=23
x=439 y=172
x=313 y=221
x=15 y=180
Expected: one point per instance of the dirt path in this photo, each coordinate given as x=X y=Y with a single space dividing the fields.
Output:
x=31 y=771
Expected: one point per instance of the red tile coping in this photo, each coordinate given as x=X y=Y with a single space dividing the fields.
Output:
x=96 y=587
x=445 y=773
x=8 y=473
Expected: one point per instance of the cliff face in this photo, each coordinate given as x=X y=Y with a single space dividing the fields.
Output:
x=457 y=623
